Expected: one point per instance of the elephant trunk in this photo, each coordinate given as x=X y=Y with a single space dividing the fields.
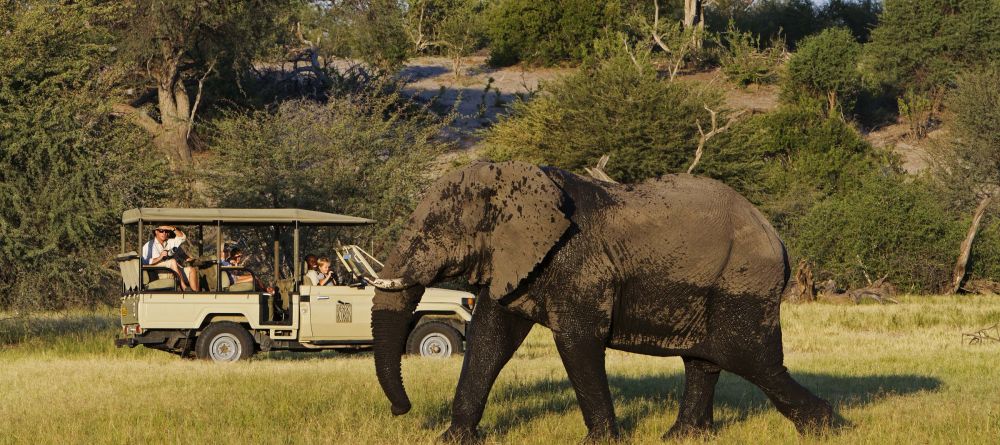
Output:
x=390 y=328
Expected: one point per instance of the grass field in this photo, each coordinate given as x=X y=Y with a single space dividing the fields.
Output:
x=896 y=374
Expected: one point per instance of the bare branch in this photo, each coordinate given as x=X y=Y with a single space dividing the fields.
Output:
x=598 y=171
x=958 y=274
x=197 y=100
x=711 y=133
x=629 y=52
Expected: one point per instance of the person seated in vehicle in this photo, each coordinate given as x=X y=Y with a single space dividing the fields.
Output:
x=312 y=262
x=238 y=276
x=322 y=275
x=159 y=251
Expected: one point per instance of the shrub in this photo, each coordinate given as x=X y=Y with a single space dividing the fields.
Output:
x=546 y=32
x=889 y=225
x=67 y=168
x=794 y=19
x=611 y=106
x=365 y=154
x=825 y=68
x=788 y=159
x=923 y=44
x=744 y=61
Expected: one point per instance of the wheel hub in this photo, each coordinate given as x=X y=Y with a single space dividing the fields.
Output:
x=225 y=348
x=435 y=345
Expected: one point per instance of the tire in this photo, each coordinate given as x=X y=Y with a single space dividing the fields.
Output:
x=224 y=341
x=434 y=339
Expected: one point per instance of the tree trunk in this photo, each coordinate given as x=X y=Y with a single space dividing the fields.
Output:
x=175 y=121
x=963 y=257
x=693 y=14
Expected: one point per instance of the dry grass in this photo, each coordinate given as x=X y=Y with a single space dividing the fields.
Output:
x=897 y=374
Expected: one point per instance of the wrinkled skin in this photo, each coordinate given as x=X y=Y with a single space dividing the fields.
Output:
x=680 y=266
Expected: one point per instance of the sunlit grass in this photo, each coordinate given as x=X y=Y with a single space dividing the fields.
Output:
x=896 y=374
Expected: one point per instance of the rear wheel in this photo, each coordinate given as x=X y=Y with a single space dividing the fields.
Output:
x=434 y=339
x=224 y=342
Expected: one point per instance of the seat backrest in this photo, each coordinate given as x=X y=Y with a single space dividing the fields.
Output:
x=128 y=265
x=207 y=271
x=225 y=281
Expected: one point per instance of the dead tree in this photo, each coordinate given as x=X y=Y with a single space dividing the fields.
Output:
x=805 y=285
x=704 y=137
x=958 y=274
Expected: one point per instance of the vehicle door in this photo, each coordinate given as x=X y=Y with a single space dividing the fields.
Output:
x=340 y=312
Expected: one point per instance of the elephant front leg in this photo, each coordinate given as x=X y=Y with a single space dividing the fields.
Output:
x=583 y=357
x=494 y=335
x=695 y=414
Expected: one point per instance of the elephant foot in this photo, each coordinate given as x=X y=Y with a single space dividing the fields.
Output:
x=682 y=430
x=460 y=436
x=602 y=435
x=815 y=421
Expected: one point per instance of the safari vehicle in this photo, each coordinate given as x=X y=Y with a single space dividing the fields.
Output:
x=227 y=321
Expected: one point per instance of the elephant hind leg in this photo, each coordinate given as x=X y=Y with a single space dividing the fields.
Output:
x=695 y=416
x=808 y=412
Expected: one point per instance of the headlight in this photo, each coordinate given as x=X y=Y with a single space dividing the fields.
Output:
x=469 y=303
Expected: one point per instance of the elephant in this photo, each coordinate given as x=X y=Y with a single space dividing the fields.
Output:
x=680 y=265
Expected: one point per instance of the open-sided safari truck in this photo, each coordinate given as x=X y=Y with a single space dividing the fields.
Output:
x=226 y=321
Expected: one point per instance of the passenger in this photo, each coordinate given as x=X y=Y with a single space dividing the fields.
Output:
x=327 y=278
x=159 y=250
x=311 y=262
x=236 y=259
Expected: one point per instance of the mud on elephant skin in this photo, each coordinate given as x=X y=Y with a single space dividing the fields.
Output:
x=677 y=266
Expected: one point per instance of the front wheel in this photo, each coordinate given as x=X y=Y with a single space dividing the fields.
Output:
x=434 y=339
x=224 y=342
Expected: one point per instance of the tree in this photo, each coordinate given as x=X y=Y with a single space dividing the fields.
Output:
x=365 y=154
x=67 y=168
x=970 y=164
x=825 y=67
x=616 y=104
x=458 y=32
x=694 y=14
x=173 y=46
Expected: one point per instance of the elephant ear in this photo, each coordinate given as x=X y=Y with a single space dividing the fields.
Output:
x=526 y=210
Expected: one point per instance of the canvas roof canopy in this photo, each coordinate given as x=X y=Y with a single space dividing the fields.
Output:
x=239 y=216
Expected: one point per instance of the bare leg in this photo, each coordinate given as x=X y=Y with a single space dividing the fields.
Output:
x=494 y=335
x=192 y=275
x=808 y=412
x=695 y=414
x=583 y=357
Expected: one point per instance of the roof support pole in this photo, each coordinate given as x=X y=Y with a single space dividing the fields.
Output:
x=277 y=252
x=219 y=255
x=295 y=256
x=122 y=230
x=201 y=240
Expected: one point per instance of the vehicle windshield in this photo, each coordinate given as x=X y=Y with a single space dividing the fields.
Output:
x=359 y=262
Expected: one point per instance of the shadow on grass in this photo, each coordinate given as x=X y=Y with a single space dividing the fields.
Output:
x=637 y=398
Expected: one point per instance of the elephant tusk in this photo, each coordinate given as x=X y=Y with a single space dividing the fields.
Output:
x=390 y=284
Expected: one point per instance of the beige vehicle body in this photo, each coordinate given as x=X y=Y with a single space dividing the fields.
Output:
x=298 y=316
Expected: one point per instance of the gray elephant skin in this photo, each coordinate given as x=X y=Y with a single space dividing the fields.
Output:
x=677 y=266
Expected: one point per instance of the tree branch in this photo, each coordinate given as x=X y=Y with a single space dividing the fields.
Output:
x=139 y=117
x=197 y=100
x=711 y=133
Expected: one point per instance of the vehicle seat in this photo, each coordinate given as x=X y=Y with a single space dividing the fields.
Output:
x=207 y=273
x=153 y=280
x=128 y=264
x=246 y=286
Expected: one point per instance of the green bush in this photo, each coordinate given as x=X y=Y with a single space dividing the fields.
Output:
x=890 y=225
x=67 y=167
x=364 y=154
x=547 y=32
x=825 y=68
x=923 y=44
x=745 y=61
x=610 y=106
x=789 y=159
x=793 y=20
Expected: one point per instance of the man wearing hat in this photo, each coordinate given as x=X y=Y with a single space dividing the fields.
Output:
x=158 y=251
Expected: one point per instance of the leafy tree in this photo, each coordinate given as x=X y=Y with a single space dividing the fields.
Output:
x=889 y=225
x=614 y=105
x=546 y=32
x=923 y=44
x=173 y=46
x=969 y=165
x=825 y=67
x=67 y=168
x=365 y=154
